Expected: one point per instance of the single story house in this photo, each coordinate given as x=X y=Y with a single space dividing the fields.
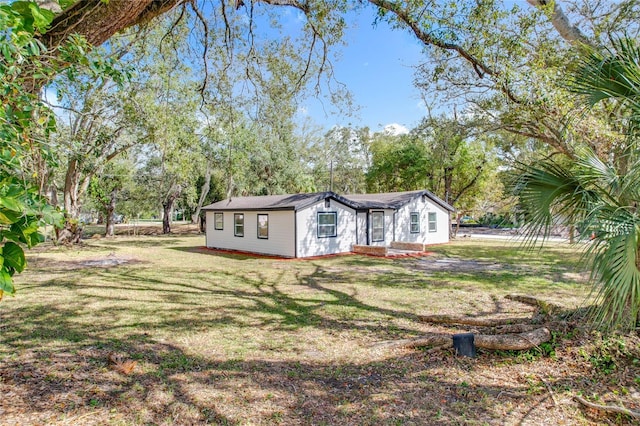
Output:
x=304 y=225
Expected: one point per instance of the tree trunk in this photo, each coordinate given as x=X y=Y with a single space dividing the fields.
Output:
x=167 y=207
x=572 y=234
x=204 y=190
x=448 y=181
x=53 y=195
x=70 y=191
x=111 y=209
x=166 y=216
x=458 y=216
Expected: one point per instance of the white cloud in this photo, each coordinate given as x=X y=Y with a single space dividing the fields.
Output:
x=395 y=129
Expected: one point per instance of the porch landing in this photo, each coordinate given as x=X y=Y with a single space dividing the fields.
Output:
x=383 y=251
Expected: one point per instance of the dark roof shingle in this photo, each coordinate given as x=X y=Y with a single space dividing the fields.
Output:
x=388 y=200
x=270 y=202
x=393 y=200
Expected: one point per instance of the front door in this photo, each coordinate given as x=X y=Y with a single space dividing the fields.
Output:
x=362 y=228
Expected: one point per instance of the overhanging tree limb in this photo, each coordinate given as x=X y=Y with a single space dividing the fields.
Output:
x=97 y=21
x=560 y=22
x=481 y=68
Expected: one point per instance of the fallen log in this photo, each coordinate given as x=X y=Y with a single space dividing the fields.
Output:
x=544 y=307
x=474 y=321
x=608 y=408
x=513 y=342
x=504 y=342
x=514 y=328
x=432 y=339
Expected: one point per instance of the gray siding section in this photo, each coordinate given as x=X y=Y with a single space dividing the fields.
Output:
x=281 y=241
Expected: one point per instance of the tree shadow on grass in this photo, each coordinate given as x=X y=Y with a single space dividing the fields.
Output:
x=67 y=376
x=225 y=294
x=225 y=254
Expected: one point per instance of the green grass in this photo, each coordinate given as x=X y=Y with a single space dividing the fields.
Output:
x=228 y=339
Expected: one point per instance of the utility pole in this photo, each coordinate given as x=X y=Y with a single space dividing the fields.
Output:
x=331 y=176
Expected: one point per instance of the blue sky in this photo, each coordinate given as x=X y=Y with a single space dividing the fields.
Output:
x=377 y=66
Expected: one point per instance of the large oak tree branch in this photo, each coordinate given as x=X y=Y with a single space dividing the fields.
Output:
x=560 y=22
x=97 y=21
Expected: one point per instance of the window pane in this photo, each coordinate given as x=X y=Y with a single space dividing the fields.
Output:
x=415 y=223
x=327 y=224
x=378 y=219
x=326 y=218
x=432 y=222
x=238 y=220
x=377 y=226
x=263 y=226
x=218 y=221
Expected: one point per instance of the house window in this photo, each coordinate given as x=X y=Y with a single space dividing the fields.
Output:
x=238 y=224
x=327 y=224
x=414 y=223
x=377 y=226
x=263 y=226
x=218 y=221
x=432 y=222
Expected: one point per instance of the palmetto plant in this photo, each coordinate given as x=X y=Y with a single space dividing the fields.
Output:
x=598 y=196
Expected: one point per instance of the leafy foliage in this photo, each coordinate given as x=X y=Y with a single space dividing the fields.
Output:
x=599 y=197
x=26 y=125
x=22 y=116
x=22 y=212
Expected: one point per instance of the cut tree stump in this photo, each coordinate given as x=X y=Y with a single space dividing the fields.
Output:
x=505 y=342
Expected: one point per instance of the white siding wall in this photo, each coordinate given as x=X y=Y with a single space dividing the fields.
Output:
x=423 y=207
x=281 y=233
x=307 y=230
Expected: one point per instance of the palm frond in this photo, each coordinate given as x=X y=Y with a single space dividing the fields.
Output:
x=615 y=274
x=548 y=193
x=599 y=196
x=612 y=74
x=595 y=173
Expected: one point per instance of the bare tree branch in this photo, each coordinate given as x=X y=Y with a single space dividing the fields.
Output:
x=560 y=22
x=479 y=67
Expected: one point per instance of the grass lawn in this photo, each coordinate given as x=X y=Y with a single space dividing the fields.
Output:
x=229 y=339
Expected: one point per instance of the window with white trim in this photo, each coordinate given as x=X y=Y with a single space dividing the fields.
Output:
x=327 y=224
x=414 y=223
x=377 y=226
x=218 y=221
x=433 y=222
x=263 y=226
x=238 y=224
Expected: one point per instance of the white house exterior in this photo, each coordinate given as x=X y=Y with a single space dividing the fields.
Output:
x=305 y=225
